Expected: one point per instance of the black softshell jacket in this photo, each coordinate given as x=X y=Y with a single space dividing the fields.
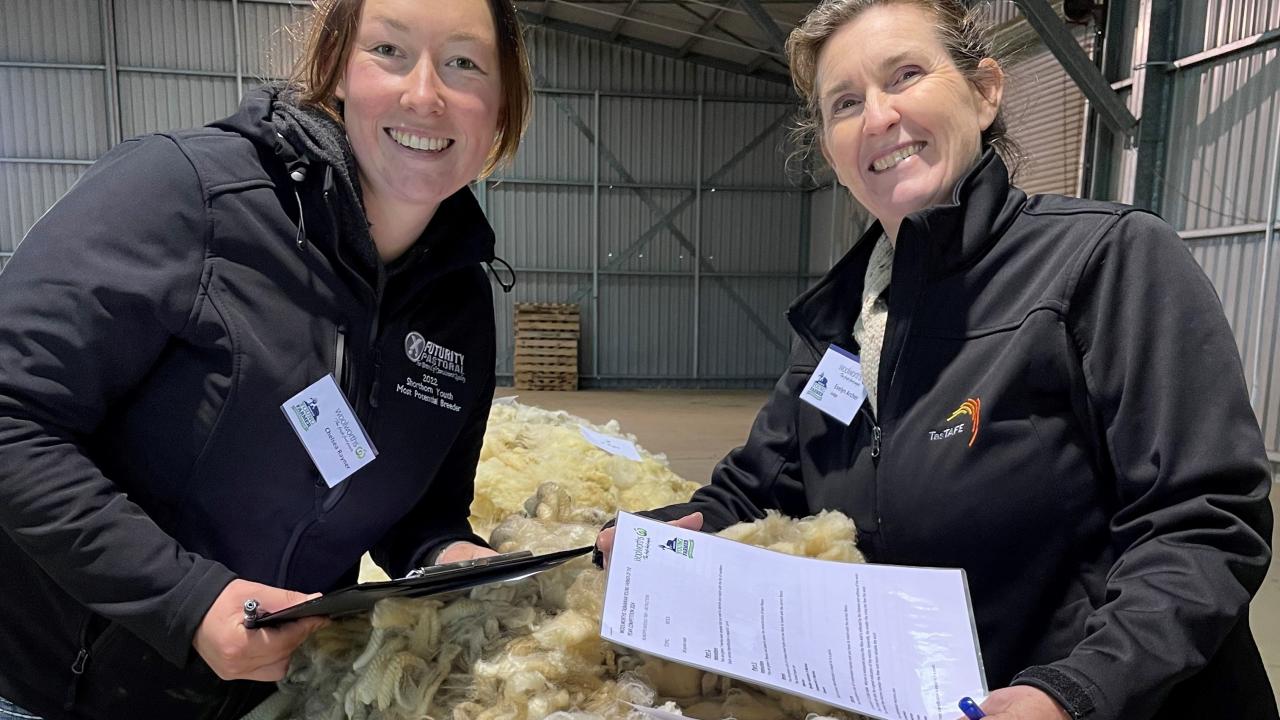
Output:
x=1063 y=415
x=151 y=325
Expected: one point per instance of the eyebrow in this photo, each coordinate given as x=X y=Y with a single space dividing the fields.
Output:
x=391 y=23
x=468 y=37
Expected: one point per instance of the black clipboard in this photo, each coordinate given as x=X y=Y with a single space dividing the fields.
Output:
x=431 y=580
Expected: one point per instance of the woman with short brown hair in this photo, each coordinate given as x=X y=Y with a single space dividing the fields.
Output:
x=273 y=351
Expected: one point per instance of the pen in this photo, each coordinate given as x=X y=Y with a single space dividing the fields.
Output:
x=971 y=709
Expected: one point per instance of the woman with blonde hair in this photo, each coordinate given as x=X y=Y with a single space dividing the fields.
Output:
x=1053 y=397
x=172 y=327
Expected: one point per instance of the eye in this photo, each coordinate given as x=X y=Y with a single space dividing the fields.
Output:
x=907 y=75
x=384 y=50
x=846 y=103
x=463 y=63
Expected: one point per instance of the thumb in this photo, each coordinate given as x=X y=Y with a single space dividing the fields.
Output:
x=692 y=521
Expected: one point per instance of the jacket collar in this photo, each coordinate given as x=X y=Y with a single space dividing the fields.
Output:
x=932 y=243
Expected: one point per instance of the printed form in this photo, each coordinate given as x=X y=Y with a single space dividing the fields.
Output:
x=882 y=640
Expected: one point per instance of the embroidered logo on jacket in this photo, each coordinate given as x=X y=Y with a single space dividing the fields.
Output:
x=971 y=407
x=437 y=359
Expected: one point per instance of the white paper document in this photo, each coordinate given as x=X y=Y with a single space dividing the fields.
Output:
x=610 y=444
x=882 y=640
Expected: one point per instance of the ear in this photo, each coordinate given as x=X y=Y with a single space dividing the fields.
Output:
x=990 y=86
x=340 y=90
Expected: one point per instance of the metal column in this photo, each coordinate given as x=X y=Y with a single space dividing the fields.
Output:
x=111 y=74
x=697 y=239
x=1155 y=84
x=595 y=237
x=239 y=48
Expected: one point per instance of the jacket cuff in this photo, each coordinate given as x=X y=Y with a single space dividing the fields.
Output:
x=430 y=552
x=206 y=582
x=1073 y=696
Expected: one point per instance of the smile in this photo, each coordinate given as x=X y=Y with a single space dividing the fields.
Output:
x=414 y=141
x=891 y=160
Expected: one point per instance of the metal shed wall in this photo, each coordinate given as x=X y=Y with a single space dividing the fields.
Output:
x=1221 y=166
x=647 y=189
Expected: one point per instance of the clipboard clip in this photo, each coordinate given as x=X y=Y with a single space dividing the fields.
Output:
x=429 y=570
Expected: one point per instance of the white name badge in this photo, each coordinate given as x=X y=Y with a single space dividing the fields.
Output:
x=836 y=386
x=329 y=430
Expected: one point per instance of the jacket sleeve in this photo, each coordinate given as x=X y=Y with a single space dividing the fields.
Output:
x=441 y=516
x=764 y=473
x=1192 y=521
x=89 y=301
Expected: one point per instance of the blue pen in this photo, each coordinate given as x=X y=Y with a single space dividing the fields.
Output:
x=971 y=709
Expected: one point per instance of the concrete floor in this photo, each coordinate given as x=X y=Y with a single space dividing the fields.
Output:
x=695 y=428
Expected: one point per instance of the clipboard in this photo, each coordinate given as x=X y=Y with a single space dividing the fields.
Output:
x=424 y=582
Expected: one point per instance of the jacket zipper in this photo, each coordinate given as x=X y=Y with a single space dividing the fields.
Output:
x=877 y=435
x=340 y=358
x=81 y=662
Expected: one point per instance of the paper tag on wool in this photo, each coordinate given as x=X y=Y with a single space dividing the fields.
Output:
x=836 y=386
x=610 y=444
x=329 y=430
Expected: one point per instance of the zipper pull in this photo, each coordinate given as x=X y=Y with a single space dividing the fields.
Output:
x=876 y=437
x=81 y=660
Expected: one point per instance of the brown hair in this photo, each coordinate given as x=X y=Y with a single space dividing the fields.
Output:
x=964 y=32
x=332 y=30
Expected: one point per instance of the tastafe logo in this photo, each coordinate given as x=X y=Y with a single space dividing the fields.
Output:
x=973 y=408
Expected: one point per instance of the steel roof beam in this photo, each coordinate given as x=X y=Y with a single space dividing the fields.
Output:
x=1053 y=32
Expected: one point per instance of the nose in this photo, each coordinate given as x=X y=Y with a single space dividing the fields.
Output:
x=879 y=114
x=424 y=91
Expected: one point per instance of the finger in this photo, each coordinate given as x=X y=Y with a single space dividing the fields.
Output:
x=604 y=540
x=692 y=521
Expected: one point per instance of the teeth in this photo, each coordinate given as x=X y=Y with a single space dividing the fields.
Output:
x=417 y=142
x=893 y=159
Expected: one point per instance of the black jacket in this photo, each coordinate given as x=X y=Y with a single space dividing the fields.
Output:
x=1105 y=486
x=151 y=325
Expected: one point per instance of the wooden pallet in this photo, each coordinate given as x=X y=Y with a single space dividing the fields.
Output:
x=546 y=356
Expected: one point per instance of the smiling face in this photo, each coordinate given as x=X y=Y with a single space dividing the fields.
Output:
x=900 y=122
x=421 y=95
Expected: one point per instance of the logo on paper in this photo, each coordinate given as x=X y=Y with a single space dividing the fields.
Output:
x=971 y=407
x=818 y=388
x=641 y=549
x=307 y=412
x=680 y=546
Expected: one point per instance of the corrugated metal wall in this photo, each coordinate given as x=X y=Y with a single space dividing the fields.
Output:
x=676 y=231
x=678 y=234
x=1045 y=112
x=1221 y=167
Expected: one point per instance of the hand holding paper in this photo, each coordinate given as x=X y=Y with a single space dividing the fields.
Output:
x=604 y=541
x=884 y=641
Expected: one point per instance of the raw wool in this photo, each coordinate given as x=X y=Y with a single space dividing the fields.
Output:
x=531 y=649
x=525 y=446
